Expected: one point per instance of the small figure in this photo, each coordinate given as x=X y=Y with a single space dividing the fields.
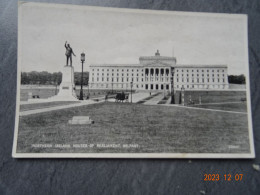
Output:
x=69 y=53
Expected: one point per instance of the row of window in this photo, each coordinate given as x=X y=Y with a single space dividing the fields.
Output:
x=116 y=74
x=187 y=70
x=199 y=75
x=120 y=79
x=117 y=85
x=155 y=86
x=202 y=70
x=127 y=70
x=202 y=80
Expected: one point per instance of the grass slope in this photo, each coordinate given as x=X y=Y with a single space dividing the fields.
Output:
x=153 y=128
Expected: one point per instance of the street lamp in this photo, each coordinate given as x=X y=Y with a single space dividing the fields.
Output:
x=172 y=90
x=182 y=94
x=81 y=89
x=131 y=89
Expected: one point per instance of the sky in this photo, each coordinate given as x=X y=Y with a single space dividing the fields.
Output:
x=121 y=36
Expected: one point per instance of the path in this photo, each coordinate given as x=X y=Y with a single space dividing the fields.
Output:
x=154 y=100
x=136 y=97
x=206 y=109
x=217 y=103
x=41 y=110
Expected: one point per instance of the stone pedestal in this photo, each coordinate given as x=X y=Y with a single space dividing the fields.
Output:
x=81 y=120
x=67 y=86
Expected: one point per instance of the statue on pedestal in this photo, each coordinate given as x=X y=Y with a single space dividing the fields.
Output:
x=69 y=53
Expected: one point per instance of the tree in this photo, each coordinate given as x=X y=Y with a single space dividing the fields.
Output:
x=237 y=79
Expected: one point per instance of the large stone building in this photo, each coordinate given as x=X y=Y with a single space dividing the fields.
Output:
x=157 y=73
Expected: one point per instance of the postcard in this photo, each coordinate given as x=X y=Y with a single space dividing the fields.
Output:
x=95 y=82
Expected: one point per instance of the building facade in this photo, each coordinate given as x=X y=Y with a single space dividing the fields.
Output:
x=158 y=73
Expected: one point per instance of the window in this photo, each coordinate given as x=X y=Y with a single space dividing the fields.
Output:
x=117 y=79
x=132 y=70
x=102 y=69
x=93 y=70
x=122 y=74
x=137 y=79
x=127 y=79
x=198 y=80
x=187 y=70
x=136 y=74
x=102 y=74
x=97 y=69
x=202 y=80
x=177 y=80
x=202 y=70
x=92 y=79
x=213 y=80
x=187 y=80
x=223 y=80
x=187 y=75
x=102 y=78
x=107 y=79
x=197 y=70
x=97 y=79
x=117 y=70
x=122 y=79
x=113 y=70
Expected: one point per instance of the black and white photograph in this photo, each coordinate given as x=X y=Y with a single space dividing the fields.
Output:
x=96 y=82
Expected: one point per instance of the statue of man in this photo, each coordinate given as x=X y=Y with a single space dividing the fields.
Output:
x=69 y=53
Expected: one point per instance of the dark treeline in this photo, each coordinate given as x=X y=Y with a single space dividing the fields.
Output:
x=237 y=79
x=46 y=78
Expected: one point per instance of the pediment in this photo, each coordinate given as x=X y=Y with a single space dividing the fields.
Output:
x=157 y=63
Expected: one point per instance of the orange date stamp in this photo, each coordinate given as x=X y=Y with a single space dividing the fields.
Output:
x=225 y=177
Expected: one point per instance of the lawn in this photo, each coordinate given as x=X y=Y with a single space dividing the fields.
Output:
x=212 y=96
x=153 y=128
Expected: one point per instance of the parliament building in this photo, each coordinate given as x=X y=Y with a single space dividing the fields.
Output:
x=154 y=73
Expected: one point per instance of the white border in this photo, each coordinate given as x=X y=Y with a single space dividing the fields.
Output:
x=131 y=155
